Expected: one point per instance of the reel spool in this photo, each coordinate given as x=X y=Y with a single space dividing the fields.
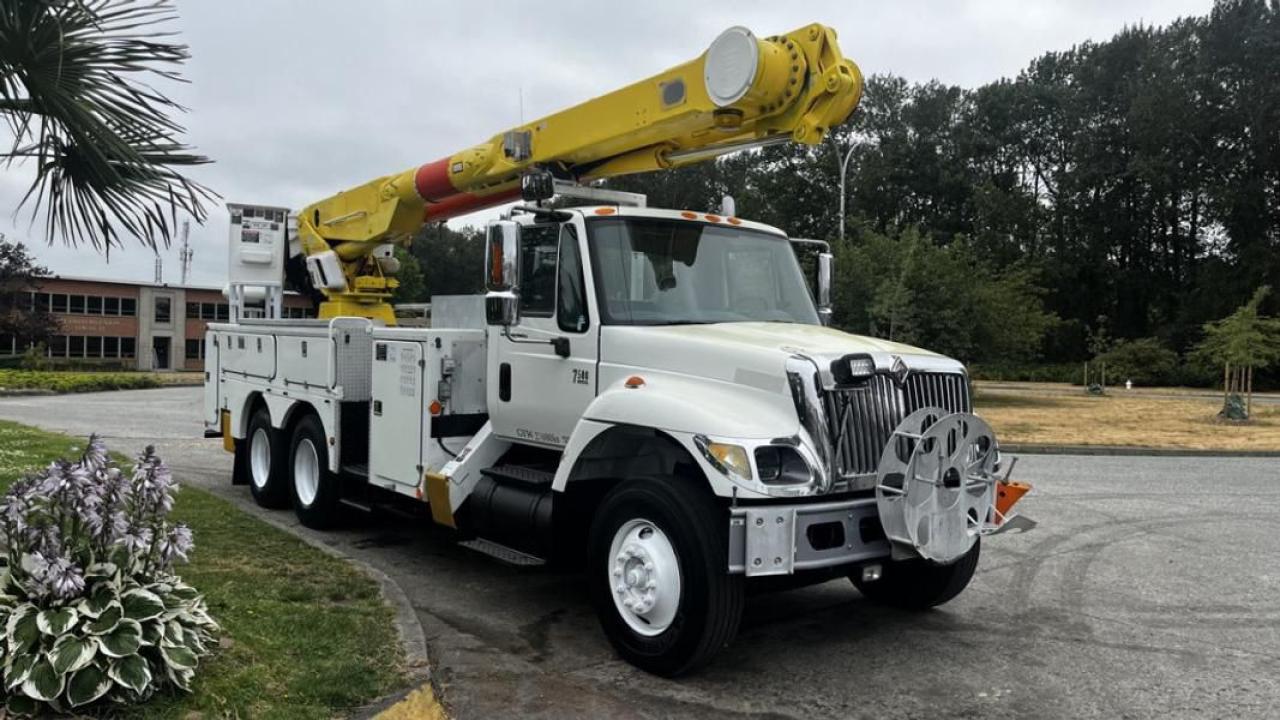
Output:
x=935 y=485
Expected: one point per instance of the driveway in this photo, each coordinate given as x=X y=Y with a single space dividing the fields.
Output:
x=1151 y=589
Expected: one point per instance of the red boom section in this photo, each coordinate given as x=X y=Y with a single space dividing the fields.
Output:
x=432 y=181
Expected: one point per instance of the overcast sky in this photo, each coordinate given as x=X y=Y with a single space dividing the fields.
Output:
x=297 y=99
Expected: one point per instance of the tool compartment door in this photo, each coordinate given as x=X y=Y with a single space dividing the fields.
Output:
x=396 y=414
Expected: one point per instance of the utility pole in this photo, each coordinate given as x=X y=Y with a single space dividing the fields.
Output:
x=844 y=168
x=186 y=253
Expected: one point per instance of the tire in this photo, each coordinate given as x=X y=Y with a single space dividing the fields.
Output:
x=315 y=490
x=696 y=604
x=920 y=584
x=264 y=461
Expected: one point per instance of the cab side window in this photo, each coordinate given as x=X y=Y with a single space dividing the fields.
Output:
x=571 y=298
x=538 y=269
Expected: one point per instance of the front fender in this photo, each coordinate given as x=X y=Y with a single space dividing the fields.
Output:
x=682 y=407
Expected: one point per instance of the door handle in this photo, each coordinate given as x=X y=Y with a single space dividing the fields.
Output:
x=561 y=346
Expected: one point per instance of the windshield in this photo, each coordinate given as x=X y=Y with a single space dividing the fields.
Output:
x=651 y=271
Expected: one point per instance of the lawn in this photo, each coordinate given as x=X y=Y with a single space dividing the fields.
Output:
x=305 y=634
x=1027 y=415
x=72 y=381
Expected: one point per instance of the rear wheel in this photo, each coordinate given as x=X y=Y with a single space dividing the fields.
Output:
x=264 y=461
x=919 y=584
x=315 y=489
x=658 y=569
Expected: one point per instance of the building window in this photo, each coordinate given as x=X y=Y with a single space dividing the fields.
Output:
x=59 y=303
x=128 y=307
x=224 y=311
x=93 y=305
x=75 y=346
x=93 y=347
x=193 y=311
x=163 y=309
x=7 y=345
x=208 y=311
x=127 y=347
x=76 y=305
x=42 y=301
x=58 y=346
x=195 y=349
x=111 y=347
x=110 y=306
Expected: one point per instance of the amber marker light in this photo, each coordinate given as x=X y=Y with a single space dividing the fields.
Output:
x=605 y=211
x=713 y=218
x=633 y=382
x=734 y=221
x=689 y=215
x=435 y=407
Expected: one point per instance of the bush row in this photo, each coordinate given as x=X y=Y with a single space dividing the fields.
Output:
x=73 y=382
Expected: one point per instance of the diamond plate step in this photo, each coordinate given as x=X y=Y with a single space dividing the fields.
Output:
x=519 y=475
x=510 y=556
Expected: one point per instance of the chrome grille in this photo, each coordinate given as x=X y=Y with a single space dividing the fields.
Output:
x=861 y=420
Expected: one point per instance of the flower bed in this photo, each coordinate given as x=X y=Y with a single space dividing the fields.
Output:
x=91 y=608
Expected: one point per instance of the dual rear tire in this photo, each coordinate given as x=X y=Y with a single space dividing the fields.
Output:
x=291 y=468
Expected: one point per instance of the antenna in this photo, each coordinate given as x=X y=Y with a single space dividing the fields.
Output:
x=185 y=254
x=159 y=270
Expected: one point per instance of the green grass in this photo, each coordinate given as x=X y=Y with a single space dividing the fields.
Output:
x=305 y=635
x=74 y=381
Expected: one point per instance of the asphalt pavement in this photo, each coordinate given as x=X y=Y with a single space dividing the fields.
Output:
x=1150 y=589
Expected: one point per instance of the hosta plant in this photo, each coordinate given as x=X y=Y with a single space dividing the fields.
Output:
x=90 y=607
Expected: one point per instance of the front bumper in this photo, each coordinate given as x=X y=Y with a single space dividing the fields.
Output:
x=784 y=539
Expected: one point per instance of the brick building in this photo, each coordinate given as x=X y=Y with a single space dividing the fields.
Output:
x=135 y=325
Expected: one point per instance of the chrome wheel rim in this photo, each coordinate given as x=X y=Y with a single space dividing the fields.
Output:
x=260 y=458
x=644 y=575
x=306 y=472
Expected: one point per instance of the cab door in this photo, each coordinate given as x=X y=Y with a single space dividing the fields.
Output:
x=543 y=371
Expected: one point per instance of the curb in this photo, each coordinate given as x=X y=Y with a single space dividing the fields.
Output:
x=23 y=392
x=1132 y=451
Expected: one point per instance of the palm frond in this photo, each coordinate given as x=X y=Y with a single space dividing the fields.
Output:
x=107 y=150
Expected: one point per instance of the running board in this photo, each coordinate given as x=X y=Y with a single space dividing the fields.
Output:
x=510 y=556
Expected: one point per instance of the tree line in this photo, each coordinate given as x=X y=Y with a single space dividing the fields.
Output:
x=1117 y=191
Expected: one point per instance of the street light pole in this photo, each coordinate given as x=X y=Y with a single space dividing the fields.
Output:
x=844 y=167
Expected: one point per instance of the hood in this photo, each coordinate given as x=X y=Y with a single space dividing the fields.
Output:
x=752 y=353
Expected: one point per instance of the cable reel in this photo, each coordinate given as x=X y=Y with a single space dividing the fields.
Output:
x=935 y=485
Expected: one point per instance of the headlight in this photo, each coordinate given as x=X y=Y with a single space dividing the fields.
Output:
x=782 y=465
x=728 y=459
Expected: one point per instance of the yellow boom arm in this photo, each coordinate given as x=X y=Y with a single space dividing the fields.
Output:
x=743 y=91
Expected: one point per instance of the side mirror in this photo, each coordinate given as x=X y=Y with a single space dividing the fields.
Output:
x=826 y=265
x=502 y=273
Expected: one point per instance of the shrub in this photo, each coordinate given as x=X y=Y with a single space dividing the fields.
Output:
x=1028 y=372
x=72 y=382
x=90 y=607
x=1146 y=361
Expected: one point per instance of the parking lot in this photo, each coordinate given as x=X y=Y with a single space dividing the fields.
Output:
x=1150 y=589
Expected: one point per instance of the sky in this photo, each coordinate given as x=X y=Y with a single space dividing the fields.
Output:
x=297 y=99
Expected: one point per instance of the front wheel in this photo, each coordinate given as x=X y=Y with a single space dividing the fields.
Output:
x=315 y=489
x=658 y=569
x=919 y=584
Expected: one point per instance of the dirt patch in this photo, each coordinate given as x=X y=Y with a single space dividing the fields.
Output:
x=1026 y=417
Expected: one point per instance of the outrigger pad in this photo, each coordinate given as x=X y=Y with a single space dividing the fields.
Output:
x=936 y=480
